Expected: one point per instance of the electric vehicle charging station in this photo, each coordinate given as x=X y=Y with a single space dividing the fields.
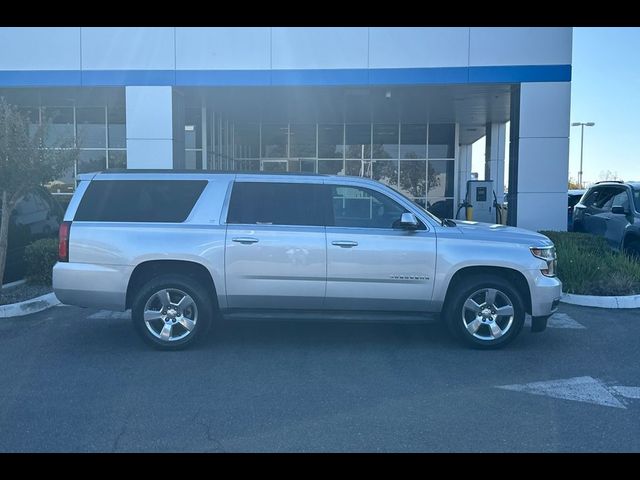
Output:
x=479 y=202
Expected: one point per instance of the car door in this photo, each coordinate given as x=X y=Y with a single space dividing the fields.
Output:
x=616 y=223
x=593 y=218
x=372 y=264
x=275 y=247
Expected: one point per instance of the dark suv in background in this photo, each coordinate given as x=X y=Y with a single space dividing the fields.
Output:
x=37 y=215
x=611 y=209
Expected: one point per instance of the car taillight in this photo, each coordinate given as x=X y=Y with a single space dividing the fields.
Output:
x=63 y=241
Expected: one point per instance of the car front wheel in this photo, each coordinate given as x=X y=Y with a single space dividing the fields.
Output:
x=485 y=312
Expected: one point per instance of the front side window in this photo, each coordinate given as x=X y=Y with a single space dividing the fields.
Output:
x=621 y=200
x=270 y=203
x=364 y=208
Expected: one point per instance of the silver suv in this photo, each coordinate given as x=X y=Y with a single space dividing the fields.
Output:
x=180 y=249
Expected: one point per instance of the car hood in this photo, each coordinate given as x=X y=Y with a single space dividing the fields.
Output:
x=501 y=233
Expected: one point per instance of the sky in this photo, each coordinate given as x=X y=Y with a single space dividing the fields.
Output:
x=605 y=89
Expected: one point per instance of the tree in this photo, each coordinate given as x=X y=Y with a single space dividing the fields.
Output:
x=573 y=184
x=608 y=175
x=25 y=163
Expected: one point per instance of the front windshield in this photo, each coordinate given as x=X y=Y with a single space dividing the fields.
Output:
x=636 y=199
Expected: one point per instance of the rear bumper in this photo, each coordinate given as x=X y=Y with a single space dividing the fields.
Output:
x=89 y=285
x=545 y=295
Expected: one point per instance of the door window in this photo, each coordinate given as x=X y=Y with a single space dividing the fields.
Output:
x=270 y=203
x=621 y=200
x=364 y=208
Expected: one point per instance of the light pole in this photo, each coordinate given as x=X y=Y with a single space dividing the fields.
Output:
x=581 y=125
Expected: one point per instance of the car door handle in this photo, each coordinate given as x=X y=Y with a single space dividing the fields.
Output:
x=344 y=243
x=245 y=240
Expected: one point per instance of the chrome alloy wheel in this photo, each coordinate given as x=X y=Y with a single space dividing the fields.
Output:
x=170 y=314
x=488 y=314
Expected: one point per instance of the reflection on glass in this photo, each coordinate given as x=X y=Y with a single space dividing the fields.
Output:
x=91 y=161
x=385 y=141
x=274 y=141
x=193 y=160
x=421 y=201
x=117 y=127
x=442 y=138
x=358 y=168
x=193 y=128
x=92 y=130
x=330 y=167
x=247 y=140
x=358 y=141
x=60 y=131
x=303 y=141
x=302 y=166
x=413 y=177
x=413 y=141
x=441 y=207
x=330 y=141
x=247 y=165
x=441 y=178
x=386 y=171
x=274 y=165
x=117 y=159
x=32 y=114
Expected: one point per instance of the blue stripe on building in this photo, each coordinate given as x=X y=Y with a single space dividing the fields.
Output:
x=377 y=76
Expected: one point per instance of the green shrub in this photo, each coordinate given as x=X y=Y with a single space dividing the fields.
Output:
x=40 y=258
x=588 y=266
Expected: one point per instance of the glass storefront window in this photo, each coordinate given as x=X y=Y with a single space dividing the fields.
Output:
x=385 y=141
x=302 y=165
x=247 y=140
x=91 y=127
x=440 y=178
x=442 y=139
x=275 y=141
x=386 y=171
x=91 y=161
x=60 y=130
x=358 y=168
x=32 y=115
x=247 y=165
x=330 y=141
x=358 y=141
x=193 y=128
x=303 y=141
x=413 y=141
x=117 y=127
x=330 y=167
x=117 y=159
x=413 y=177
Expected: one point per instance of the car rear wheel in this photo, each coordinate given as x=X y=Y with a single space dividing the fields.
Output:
x=633 y=249
x=171 y=312
x=485 y=312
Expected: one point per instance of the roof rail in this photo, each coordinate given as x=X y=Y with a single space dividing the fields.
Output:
x=609 y=181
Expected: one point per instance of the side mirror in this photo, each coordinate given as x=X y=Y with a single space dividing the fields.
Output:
x=619 y=210
x=408 y=221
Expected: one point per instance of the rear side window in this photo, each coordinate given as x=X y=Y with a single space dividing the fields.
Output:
x=139 y=200
x=266 y=203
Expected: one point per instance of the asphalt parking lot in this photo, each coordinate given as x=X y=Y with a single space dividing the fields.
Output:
x=77 y=380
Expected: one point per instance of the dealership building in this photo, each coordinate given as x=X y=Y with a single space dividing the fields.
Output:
x=399 y=105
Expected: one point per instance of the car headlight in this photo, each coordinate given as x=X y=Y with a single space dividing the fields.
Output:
x=548 y=254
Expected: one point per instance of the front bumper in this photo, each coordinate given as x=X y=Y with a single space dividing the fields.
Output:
x=545 y=294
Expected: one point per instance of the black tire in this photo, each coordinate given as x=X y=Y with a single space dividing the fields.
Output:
x=457 y=317
x=175 y=285
x=633 y=249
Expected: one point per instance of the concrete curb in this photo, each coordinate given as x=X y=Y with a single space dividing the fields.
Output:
x=32 y=305
x=627 y=301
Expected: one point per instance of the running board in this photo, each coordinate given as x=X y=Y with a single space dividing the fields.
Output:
x=331 y=316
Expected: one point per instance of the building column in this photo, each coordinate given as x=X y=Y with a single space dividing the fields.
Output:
x=494 y=157
x=543 y=155
x=150 y=131
x=464 y=172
